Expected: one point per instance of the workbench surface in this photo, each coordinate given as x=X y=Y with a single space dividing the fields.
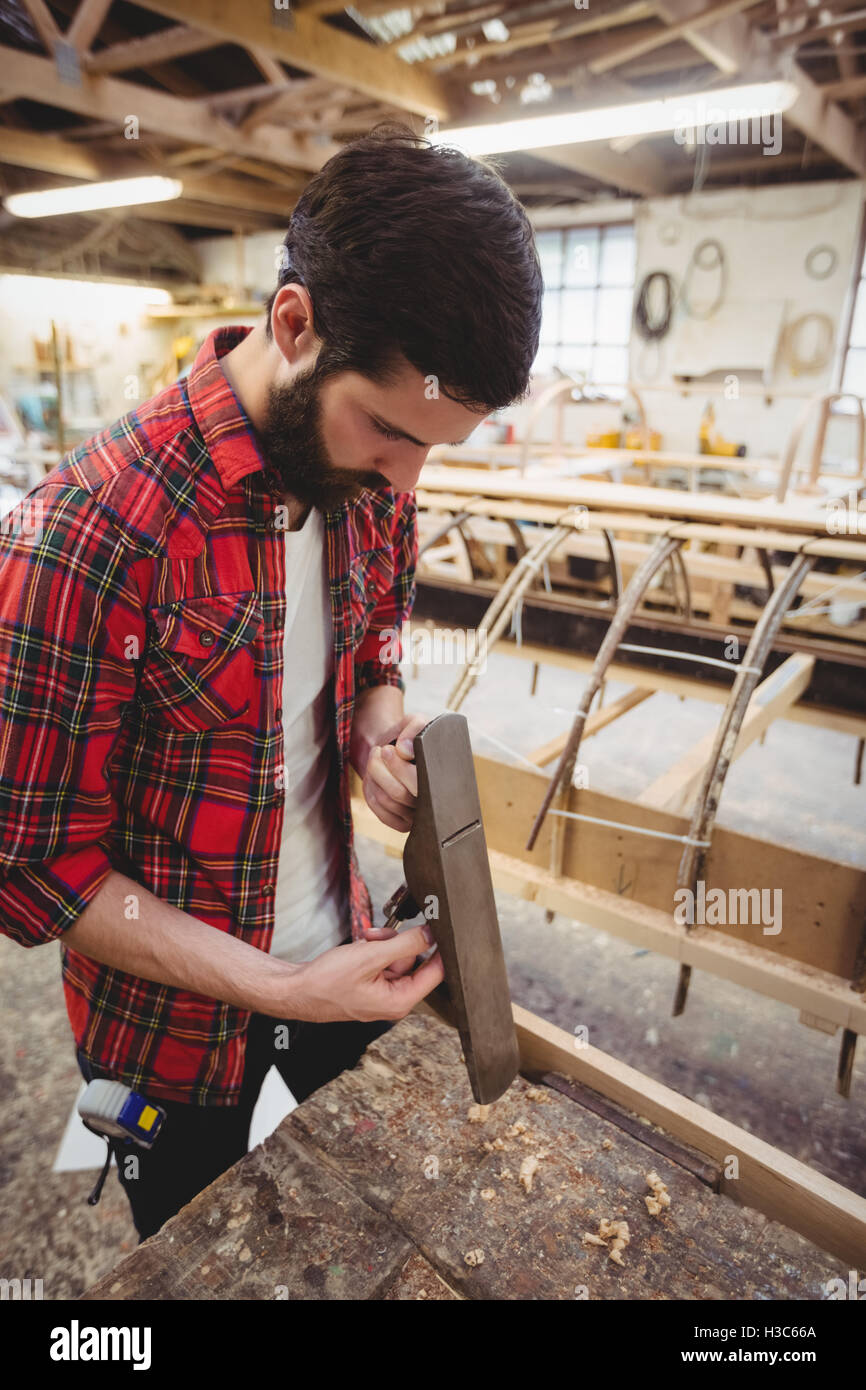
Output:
x=343 y=1201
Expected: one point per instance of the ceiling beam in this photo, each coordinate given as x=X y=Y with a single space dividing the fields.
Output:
x=736 y=47
x=175 y=42
x=636 y=48
x=86 y=24
x=109 y=98
x=43 y=23
x=645 y=173
x=47 y=154
x=315 y=47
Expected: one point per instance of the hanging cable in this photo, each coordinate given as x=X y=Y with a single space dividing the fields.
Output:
x=653 y=319
x=708 y=255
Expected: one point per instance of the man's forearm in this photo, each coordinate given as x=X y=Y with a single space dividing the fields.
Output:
x=170 y=947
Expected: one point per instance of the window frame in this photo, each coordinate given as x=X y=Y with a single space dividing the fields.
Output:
x=552 y=349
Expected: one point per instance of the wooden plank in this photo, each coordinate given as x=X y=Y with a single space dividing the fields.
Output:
x=652 y=501
x=440 y=497
x=596 y=721
x=768 y=1179
x=677 y=788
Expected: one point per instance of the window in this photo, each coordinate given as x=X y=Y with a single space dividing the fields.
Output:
x=854 y=377
x=588 y=291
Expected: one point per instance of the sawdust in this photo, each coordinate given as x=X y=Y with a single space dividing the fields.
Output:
x=473 y=1258
x=478 y=1114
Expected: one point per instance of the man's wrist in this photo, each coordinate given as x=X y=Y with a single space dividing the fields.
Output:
x=277 y=993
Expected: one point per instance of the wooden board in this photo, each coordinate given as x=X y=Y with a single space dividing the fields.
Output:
x=374 y=1186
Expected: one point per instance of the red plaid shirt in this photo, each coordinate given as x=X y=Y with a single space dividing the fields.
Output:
x=142 y=608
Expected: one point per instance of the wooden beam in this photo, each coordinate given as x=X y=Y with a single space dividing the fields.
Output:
x=48 y=154
x=43 y=23
x=598 y=720
x=86 y=24
x=677 y=788
x=317 y=48
x=767 y=1179
x=176 y=42
x=845 y=89
x=107 y=98
x=643 y=173
x=636 y=48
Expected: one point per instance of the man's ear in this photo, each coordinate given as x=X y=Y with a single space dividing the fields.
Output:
x=292 y=324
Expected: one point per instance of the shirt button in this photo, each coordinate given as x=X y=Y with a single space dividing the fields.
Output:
x=267 y=890
x=207 y=639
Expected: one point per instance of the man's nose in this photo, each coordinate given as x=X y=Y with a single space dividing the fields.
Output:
x=404 y=476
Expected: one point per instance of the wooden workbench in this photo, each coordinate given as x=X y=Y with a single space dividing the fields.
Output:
x=338 y=1204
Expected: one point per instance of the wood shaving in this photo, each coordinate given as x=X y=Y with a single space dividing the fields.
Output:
x=499 y=1143
x=607 y=1143
x=660 y=1196
x=505 y=1175
x=488 y=1194
x=614 y=1234
x=517 y=1128
x=473 y=1258
x=478 y=1114
x=487 y=1146
x=527 y=1171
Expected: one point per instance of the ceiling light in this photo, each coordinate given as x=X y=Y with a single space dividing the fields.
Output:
x=697 y=109
x=91 y=197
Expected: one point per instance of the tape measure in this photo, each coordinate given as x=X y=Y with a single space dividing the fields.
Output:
x=115 y=1112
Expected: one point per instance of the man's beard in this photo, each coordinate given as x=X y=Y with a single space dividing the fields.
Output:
x=296 y=460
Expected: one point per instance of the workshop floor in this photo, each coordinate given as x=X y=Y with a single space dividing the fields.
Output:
x=745 y=1056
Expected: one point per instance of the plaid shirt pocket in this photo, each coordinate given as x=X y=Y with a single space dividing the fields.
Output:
x=198 y=670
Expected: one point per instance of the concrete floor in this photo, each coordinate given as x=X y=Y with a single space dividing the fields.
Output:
x=746 y=1057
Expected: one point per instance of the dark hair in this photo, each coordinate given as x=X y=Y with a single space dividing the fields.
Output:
x=411 y=248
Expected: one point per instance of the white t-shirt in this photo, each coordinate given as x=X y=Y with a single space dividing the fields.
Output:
x=311 y=911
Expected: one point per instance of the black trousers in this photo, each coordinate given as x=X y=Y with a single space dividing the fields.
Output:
x=198 y=1142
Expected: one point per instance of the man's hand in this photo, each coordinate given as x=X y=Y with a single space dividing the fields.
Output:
x=368 y=979
x=390 y=779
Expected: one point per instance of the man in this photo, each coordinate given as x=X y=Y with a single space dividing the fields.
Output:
x=191 y=658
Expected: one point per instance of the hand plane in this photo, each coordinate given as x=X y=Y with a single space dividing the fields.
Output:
x=447 y=873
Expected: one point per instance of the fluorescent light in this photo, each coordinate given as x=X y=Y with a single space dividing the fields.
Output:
x=43 y=294
x=90 y=197
x=680 y=113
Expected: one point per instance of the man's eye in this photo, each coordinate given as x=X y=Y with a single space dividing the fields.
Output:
x=389 y=434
